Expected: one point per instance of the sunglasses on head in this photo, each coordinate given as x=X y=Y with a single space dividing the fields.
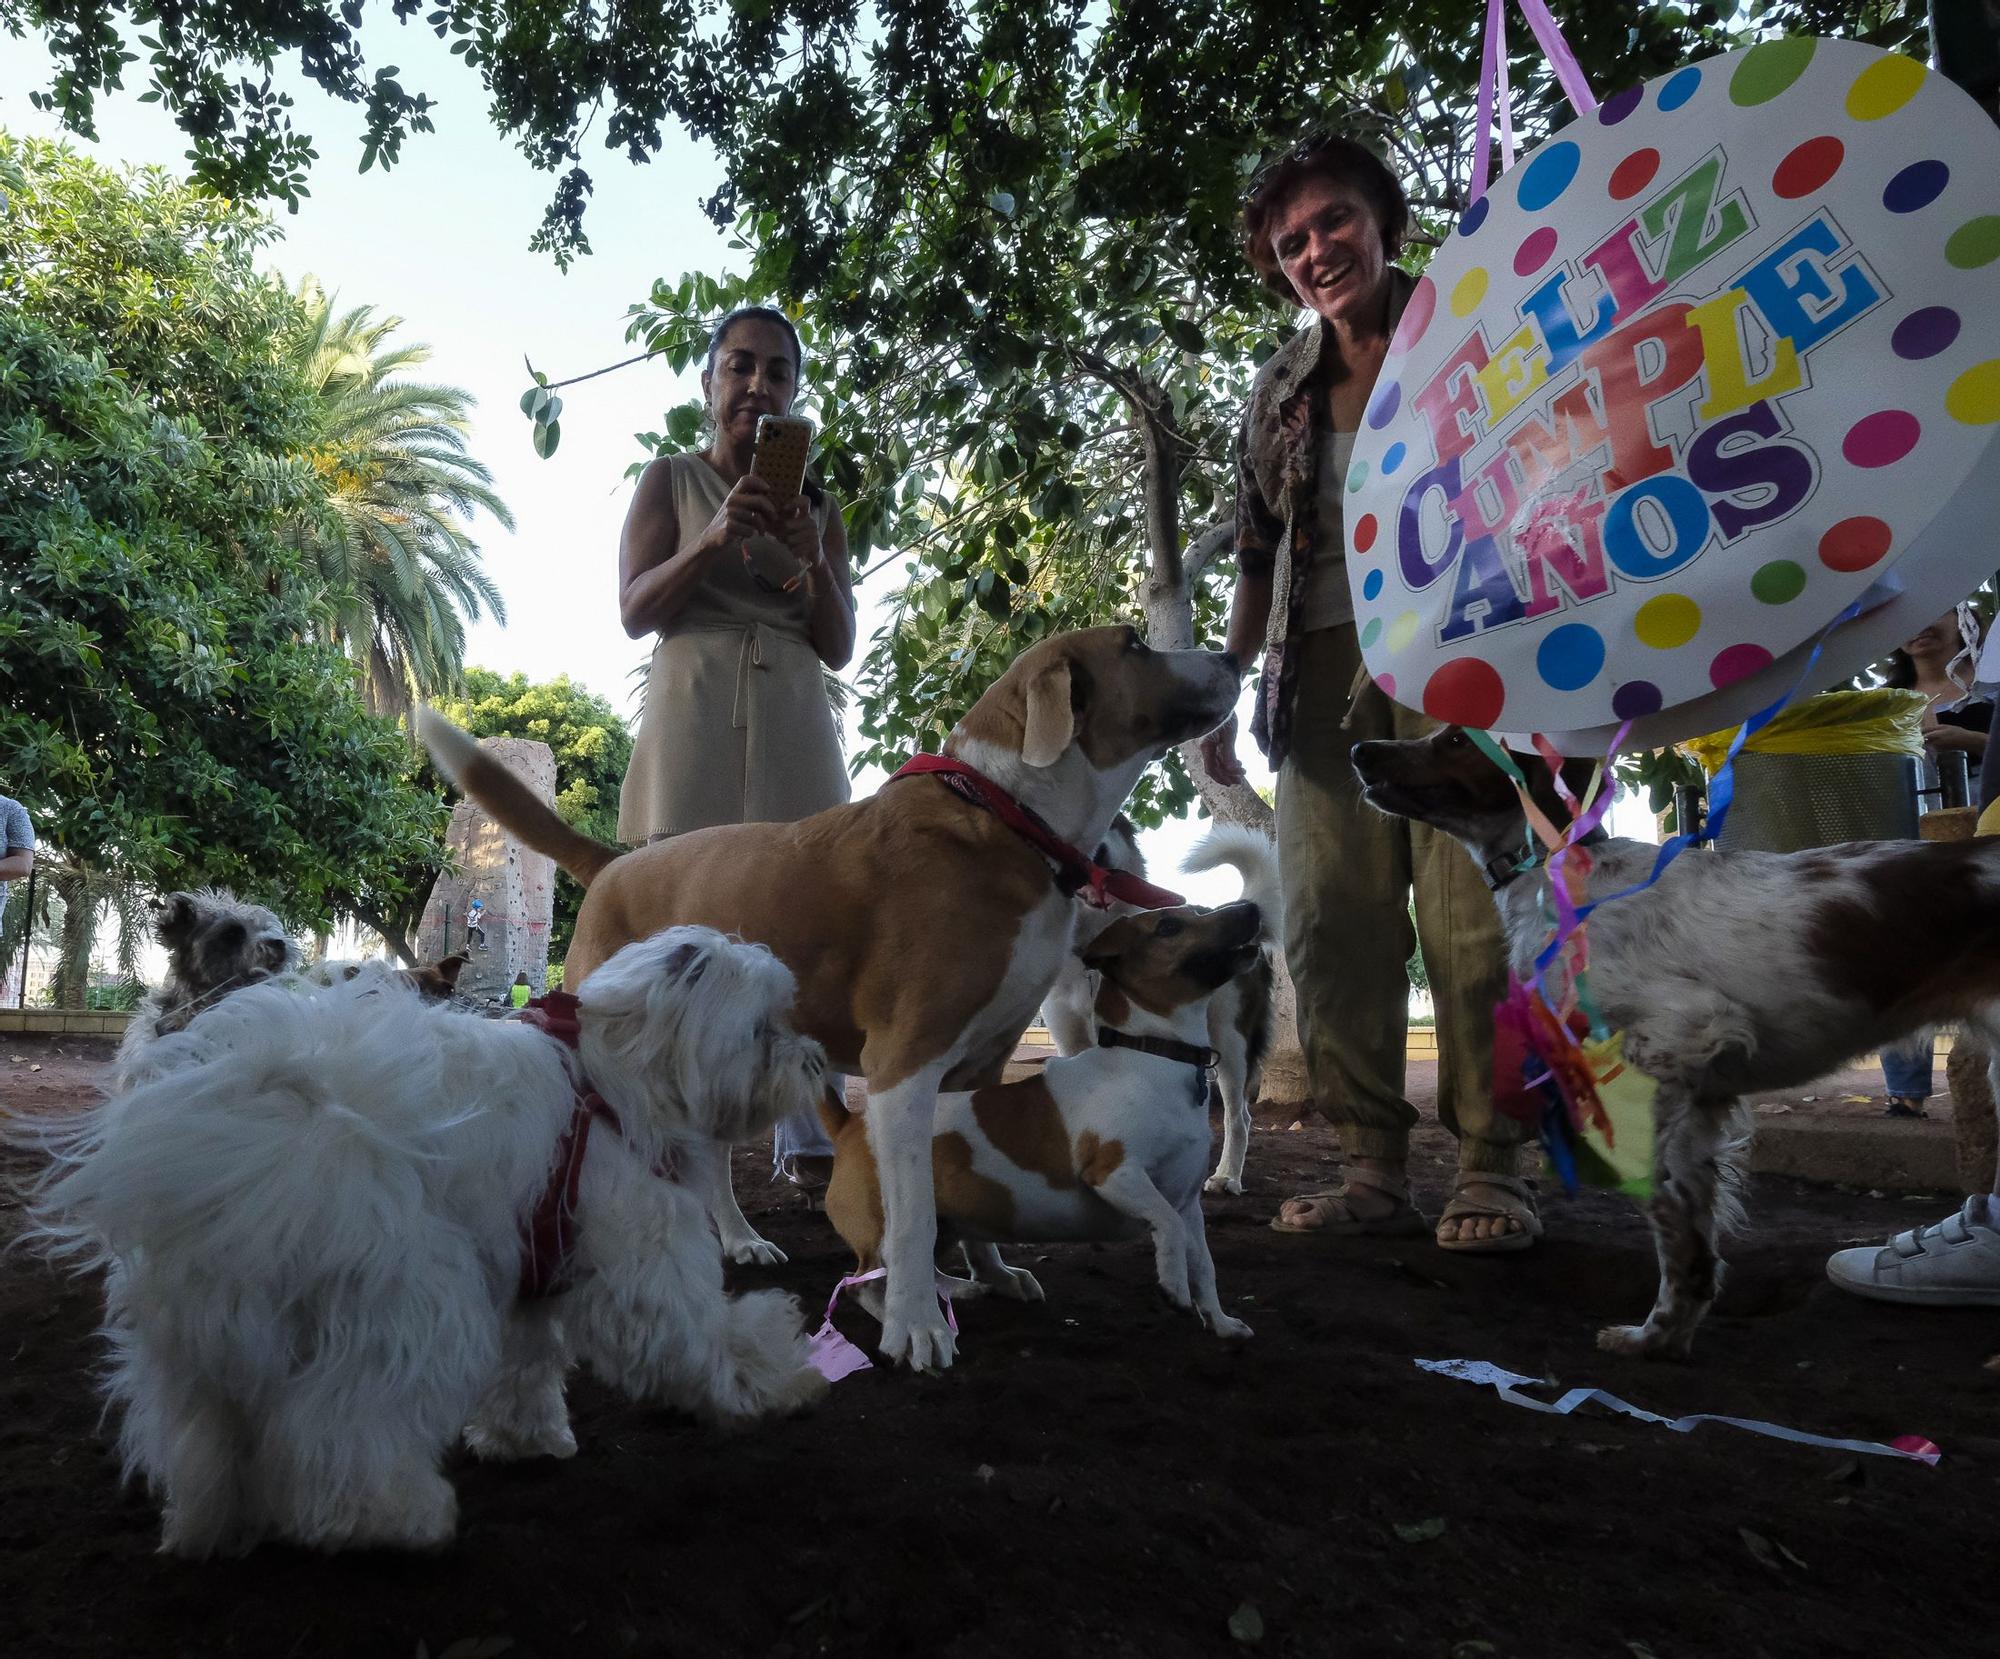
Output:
x=1267 y=173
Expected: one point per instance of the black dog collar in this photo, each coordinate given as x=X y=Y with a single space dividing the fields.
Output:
x=1167 y=1048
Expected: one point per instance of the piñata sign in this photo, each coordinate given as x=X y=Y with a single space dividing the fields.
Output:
x=1708 y=366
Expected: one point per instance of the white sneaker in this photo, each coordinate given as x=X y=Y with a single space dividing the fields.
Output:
x=1955 y=1263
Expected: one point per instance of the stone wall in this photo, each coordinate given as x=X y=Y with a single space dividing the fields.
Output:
x=514 y=883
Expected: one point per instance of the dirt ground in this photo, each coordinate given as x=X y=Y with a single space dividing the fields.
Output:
x=1099 y=1476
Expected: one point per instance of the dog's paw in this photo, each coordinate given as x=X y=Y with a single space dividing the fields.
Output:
x=924 y=1344
x=1232 y=1329
x=1021 y=1285
x=1645 y=1341
x=753 y=1250
x=1218 y=1182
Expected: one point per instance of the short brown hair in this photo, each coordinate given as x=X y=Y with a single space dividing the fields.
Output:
x=1329 y=156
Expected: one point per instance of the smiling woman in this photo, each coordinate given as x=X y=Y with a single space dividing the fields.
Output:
x=1323 y=225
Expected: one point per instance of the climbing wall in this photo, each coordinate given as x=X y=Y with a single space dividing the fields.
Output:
x=515 y=884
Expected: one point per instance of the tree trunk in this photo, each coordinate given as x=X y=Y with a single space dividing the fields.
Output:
x=1169 y=599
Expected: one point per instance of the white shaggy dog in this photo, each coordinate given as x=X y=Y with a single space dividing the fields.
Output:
x=314 y=1223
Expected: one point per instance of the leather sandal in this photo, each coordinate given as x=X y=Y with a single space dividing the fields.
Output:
x=1334 y=1216
x=1517 y=1204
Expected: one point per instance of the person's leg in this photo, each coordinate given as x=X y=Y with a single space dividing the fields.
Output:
x=1345 y=871
x=1465 y=956
x=1906 y=1073
x=1952 y=1263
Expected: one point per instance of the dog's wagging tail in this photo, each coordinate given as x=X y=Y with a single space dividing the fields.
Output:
x=510 y=802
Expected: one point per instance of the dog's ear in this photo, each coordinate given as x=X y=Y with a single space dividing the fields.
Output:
x=451 y=967
x=686 y=962
x=174 y=919
x=1051 y=719
x=275 y=953
x=1104 y=951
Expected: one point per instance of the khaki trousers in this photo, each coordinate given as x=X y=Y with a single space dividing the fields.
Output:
x=1348 y=872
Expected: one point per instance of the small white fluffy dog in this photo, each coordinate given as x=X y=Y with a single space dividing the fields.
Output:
x=1239 y=1014
x=313 y=1218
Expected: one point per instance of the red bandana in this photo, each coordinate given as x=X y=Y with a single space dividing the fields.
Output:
x=548 y=1236
x=1074 y=874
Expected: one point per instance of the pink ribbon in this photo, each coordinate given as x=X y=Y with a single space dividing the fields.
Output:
x=1493 y=91
x=831 y=1354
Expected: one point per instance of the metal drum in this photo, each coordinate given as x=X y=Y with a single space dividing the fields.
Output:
x=1785 y=803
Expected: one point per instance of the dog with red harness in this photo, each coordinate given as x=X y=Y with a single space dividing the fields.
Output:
x=350 y=1223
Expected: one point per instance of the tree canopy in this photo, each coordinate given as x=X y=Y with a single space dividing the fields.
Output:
x=780 y=88
x=165 y=710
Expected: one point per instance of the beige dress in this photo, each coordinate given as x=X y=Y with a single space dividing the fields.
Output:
x=737 y=728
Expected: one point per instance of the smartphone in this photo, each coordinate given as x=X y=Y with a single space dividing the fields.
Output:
x=780 y=456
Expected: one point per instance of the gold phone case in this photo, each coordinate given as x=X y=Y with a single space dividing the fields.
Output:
x=783 y=442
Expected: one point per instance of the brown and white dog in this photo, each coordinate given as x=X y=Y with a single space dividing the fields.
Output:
x=1103 y=1144
x=1239 y=1014
x=1735 y=972
x=922 y=929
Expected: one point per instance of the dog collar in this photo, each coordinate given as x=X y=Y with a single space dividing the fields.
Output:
x=1075 y=875
x=1167 y=1048
x=1503 y=868
x=548 y=1235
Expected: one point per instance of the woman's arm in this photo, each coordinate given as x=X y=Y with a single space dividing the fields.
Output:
x=832 y=622
x=655 y=581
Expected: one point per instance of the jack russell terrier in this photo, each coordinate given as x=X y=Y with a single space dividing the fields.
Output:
x=1734 y=973
x=1239 y=1014
x=925 y=923
x=1104 y=1144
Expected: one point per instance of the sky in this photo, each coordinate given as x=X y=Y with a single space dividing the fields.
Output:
x=442 y=241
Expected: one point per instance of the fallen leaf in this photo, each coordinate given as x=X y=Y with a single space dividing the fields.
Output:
x=1771 y=1108
x=35 y=1067
x=1808 y=1097
x=1760 y=1548
x=1420 y=1532
x=1471 y=1648
x=983 y=1472
x=1246 y=1624
x=478 y=1647
x=1855 y=1099
x=1793 y=1559
x=1639 y=1650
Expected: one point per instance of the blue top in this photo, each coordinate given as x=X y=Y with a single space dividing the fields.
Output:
x=17 y=832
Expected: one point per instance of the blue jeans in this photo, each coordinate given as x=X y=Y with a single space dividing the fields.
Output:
x=1906 y=1067
x=800 y=1134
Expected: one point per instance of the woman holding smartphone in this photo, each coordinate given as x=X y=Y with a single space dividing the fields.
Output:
x=750 y=596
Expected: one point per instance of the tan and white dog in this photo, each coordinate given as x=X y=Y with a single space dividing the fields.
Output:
x=923 y=930
x=1104 y=1144
x=1239 y=1015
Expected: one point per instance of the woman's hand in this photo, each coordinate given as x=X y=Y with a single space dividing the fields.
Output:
x=1218 y=755
x=801 y=537
x=1940 y=737
x=748 y=509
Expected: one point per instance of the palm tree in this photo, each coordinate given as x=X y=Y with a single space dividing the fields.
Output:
x=401 y=571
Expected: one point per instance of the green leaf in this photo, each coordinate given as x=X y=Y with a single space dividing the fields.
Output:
x=1002 y=203
x=1246 y=1624
x=1421 y=1532
x=546 y=438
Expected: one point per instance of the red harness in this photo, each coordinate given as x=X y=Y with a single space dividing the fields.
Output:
x=1075 y=875
x=548 y=1236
